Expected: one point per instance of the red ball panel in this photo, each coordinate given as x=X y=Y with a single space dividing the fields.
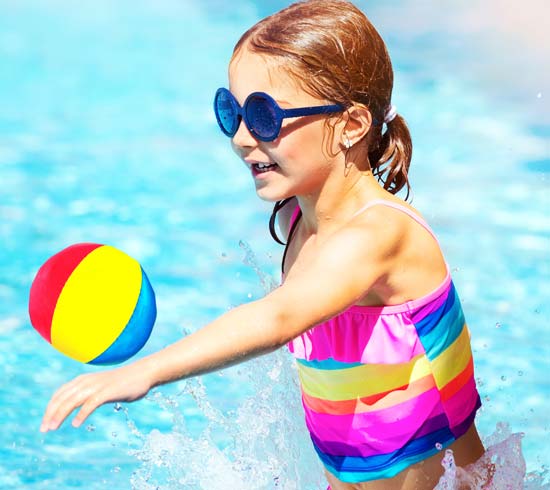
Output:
x=49 y=282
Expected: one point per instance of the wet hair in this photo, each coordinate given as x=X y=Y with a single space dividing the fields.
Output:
x=336 y=54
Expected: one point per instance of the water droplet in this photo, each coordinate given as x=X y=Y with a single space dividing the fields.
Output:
x=497 y=325
x=90 y=428
x=503 y=378
x=114 y=434
x=438 y=446
x=117 y=407
x=249 y=295
x=539 y=95
x=224 y=255
x=520 y=373
x=116 y=469
x=487 y=398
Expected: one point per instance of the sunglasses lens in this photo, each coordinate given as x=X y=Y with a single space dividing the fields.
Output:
x=262 y=117
x=226 y=112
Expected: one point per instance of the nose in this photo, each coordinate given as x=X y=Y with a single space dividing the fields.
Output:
x=243 y=138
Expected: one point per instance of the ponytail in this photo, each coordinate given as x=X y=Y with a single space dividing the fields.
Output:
x=391 y=158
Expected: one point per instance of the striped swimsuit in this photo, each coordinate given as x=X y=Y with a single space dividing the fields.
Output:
x=386 y=387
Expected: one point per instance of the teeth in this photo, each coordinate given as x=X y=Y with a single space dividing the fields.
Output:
x=264 y=166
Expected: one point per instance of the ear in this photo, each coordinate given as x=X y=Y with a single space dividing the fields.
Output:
x=358 y=121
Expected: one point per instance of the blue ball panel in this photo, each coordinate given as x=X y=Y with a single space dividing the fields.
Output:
x=138 y=329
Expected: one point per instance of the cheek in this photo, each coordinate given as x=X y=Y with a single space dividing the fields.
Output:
x=308 y=143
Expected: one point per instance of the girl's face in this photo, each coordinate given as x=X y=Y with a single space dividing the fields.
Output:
x=299 y=161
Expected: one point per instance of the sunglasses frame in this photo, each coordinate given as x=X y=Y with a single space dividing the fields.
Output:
x=279 y=113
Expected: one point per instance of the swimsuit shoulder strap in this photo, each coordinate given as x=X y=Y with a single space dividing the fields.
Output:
x=296 y=215
x=399 y=207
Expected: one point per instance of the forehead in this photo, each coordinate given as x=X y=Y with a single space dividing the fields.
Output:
x=252 y=72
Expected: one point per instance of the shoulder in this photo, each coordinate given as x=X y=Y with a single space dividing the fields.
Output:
x=364 y=247
x=377 y=239
x=332 y=272
x=393 y=220
x=379 y=231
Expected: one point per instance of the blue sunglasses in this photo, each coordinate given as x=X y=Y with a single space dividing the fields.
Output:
x=261 y=114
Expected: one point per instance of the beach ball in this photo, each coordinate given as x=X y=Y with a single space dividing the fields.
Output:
x=93 y=303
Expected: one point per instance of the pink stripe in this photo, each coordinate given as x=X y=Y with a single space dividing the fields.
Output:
x=459 y=406
x=461 y=429
x=351 y=337
x=378 y=432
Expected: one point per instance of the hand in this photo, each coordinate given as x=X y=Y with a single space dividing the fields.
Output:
x=89 y=391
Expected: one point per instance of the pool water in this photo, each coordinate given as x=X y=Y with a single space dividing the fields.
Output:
x=107 y=135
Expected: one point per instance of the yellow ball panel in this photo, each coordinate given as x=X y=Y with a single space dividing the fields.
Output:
x=96 y=303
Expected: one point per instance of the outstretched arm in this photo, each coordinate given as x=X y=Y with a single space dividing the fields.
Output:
x=345 y=268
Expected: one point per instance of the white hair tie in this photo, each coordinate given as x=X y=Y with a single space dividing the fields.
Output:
x=390 y=114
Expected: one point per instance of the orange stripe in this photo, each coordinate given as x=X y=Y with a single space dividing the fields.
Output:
x=458 y=382
x=370 y=403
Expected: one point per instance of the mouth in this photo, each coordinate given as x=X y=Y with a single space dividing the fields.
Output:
x=259 y=168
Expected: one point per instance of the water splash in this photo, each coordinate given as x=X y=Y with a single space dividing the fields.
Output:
x=502 y=467
x=268 y=448
x=268 y=443
x=266 y=281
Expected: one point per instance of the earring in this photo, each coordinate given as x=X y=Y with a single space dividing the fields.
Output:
x=347 y=143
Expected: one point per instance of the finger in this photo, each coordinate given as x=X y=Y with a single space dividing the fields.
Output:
x=59 y=397
x=87 y=408
x=63 y=392
x=51 y=409
x=63 y=402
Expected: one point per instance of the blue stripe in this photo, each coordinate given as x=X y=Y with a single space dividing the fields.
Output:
x=441 y=328
x=415 y=451
x=441 y=338
x=359 y=477
x=328 y=364
x=138 y=329
x=425 y=326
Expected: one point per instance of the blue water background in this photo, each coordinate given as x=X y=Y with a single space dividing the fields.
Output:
x=107 y=135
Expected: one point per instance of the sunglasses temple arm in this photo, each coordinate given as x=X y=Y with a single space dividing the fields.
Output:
x=311 y=111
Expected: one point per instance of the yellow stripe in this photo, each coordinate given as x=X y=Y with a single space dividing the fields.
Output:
x=96 y=303
x=361 y=381
x=453 y=360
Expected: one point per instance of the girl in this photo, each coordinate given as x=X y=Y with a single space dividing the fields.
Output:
x=367 y=305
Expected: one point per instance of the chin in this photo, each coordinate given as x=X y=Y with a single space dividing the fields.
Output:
x=270 y=195
x=268 y=198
